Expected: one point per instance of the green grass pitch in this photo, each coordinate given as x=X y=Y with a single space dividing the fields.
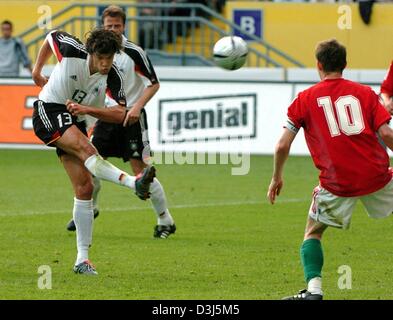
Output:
x=230 y=244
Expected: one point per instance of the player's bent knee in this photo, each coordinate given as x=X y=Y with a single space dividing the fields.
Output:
x=314 y=233
x=84 y=191
x=312 y=236
x=87 y=149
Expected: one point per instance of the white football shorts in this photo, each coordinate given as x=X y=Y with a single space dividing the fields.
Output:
x=336 y=211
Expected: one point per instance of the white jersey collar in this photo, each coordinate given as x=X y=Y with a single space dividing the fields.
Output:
x=124 y=39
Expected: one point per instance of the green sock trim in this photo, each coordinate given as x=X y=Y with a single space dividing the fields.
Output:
x=312 y=258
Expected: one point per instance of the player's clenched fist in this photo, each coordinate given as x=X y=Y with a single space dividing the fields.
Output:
x=75 y=109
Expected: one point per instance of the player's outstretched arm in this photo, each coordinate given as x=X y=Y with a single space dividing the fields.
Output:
x=114 y=114
x=386 y=134
x=43 y=56
x=280 y=156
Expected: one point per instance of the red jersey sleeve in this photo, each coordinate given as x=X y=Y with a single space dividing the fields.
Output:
x=387 y=84
x=295 y=112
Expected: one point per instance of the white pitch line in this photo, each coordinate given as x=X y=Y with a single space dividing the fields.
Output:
x=176 y=206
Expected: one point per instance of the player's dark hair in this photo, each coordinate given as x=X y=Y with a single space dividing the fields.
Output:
x=102 y=41
x=114 y=11
x=7 y=22
x=332 y=55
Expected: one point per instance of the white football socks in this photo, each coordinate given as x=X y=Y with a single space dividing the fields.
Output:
x=159 y=203
x=315 y=286
x=83 y=218
x=103 y=169
x=165 y=218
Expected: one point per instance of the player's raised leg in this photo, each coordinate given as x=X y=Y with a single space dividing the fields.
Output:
x=74 y=142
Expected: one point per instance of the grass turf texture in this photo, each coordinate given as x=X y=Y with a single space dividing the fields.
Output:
x=230 y=244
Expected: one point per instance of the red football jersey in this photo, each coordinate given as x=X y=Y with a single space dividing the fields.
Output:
x=340 y=119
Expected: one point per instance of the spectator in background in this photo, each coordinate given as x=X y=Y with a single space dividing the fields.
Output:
x=146 y=29
x=218 y=5
x=365 y=10
x=12 y=52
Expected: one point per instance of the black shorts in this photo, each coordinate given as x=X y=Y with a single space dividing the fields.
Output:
x=51 y=120
x=114 y=140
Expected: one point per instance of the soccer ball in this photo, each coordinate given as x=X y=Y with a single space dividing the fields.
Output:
x=230 y=52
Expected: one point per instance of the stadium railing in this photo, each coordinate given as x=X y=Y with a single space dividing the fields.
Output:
x=182 y=38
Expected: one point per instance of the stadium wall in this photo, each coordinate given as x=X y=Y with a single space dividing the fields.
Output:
x=24 y=14
x=295 y=28
x=196 y=109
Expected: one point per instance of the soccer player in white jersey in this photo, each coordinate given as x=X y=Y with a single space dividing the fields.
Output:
x=131 y=142
x=82 y=75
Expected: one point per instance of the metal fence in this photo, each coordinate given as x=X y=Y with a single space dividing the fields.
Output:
x=177 y=34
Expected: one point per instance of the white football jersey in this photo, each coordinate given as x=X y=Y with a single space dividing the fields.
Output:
x=71 y=78
x=136 y=69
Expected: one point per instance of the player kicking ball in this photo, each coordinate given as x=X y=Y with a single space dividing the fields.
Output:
x=82 y=75
x=130 y=142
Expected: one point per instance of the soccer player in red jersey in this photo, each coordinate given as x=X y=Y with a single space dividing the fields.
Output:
x=340 y=119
